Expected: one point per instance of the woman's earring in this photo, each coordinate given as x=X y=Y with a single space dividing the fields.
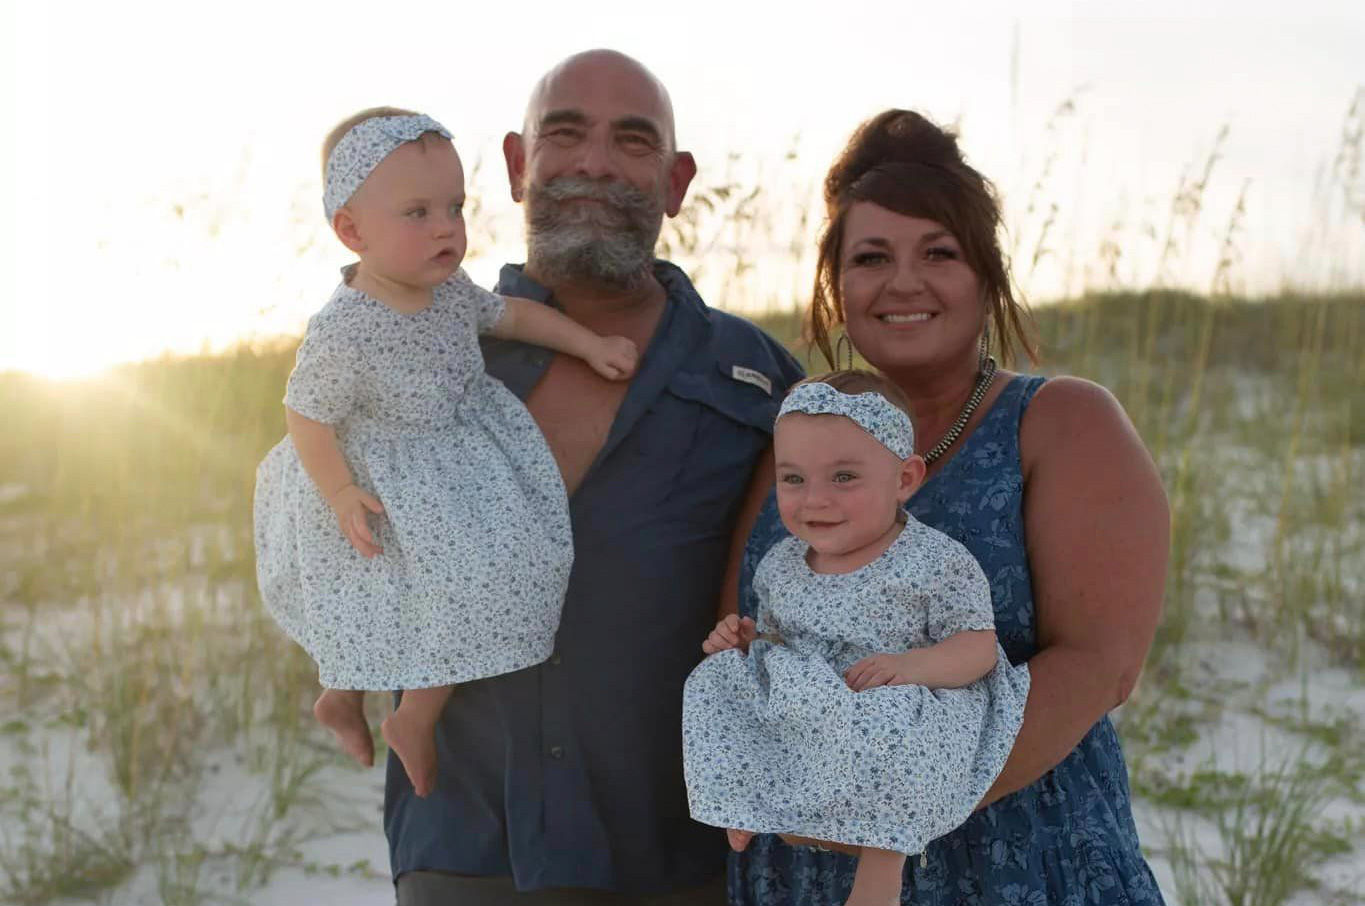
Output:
x=985 y=347
x=843 y=343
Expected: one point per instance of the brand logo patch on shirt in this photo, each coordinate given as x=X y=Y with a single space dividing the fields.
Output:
x=749 y=376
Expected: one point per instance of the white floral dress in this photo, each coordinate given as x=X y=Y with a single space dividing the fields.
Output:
x=475 y=530
x=776 y=742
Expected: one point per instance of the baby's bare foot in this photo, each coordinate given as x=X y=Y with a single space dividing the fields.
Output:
x=344 y=714
x=739 y=839
x=414 y=742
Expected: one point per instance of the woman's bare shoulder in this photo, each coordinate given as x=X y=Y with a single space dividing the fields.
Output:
x=1079 y=421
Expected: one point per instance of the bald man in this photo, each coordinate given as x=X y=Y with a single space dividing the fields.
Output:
x=562 y=783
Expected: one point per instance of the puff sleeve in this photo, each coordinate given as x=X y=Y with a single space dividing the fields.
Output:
x=324 y=384
x=488 y=307
x=962 y=596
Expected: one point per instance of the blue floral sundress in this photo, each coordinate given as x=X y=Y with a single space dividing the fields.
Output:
x=1066 y=840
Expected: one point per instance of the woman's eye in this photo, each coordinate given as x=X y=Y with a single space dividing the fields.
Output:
x=941 y=253
x=864 y=259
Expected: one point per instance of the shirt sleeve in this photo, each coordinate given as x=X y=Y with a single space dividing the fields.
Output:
x=488 y=307
x=961 y=601
x=324 y=383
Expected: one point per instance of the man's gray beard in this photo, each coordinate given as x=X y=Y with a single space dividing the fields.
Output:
x=609 y=245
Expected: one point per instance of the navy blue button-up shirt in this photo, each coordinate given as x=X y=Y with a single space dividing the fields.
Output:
x=569 y=774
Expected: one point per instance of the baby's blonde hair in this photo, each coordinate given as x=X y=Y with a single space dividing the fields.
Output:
x=339 y=131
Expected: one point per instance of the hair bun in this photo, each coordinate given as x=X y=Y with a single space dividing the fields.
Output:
x=892 y=137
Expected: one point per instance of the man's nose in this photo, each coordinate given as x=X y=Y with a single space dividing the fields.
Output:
x=595 y=158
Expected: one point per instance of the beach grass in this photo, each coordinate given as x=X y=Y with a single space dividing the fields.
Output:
x=155 y=726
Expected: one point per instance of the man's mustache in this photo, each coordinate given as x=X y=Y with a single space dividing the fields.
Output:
x=612 y=193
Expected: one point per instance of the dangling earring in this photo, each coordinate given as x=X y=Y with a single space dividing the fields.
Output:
x=843 y=343
x=985 y=347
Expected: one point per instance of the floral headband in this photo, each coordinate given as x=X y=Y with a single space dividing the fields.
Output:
x=363 y=147
x=870 y=411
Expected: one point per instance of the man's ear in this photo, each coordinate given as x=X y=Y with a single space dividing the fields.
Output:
x=514 y=152
x=344 y=225
x=680 y=175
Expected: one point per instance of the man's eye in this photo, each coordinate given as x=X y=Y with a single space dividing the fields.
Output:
x=635 y=143
x=564 y=136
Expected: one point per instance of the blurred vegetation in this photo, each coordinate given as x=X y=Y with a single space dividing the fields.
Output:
x=131 y=638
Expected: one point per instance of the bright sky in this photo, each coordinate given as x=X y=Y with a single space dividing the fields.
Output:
x=162 y=185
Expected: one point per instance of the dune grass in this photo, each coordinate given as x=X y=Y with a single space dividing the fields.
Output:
x=137 y=668
x=133 y=635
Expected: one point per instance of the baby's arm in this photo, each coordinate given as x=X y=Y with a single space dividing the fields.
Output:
x=733 y=631
x=959 y=660
x=320 y=454
x=531 y=322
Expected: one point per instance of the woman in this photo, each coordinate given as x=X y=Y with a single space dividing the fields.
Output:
x=1045 y=482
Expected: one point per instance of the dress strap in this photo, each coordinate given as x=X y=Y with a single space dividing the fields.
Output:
x=1009 y=409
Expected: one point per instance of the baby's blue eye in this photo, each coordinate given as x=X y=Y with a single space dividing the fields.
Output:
x=840 y=477
x=792 y=479
x=417 y=213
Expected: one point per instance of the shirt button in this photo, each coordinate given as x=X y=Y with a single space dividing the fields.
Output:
x=556 y=751
x=556 y=659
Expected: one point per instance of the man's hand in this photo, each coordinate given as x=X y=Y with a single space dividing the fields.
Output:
x=731 y=632
x=883 y=670
x=614 y=358
x=352 y=507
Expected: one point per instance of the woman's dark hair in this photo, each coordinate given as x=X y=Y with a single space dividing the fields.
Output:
x=901 y=161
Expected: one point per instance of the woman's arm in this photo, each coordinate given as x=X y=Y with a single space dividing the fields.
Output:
x=760 y=485
x=540 y=325
x=1097 y=526
x=959 y=660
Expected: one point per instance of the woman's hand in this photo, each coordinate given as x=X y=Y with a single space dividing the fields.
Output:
x=884 y=670
x=731 y=632
x=352 y=507
x=614 y=358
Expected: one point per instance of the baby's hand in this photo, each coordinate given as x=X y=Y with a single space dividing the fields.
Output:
x=732 y=632
x=614 y=358
x=352 y=507
x=881 y=670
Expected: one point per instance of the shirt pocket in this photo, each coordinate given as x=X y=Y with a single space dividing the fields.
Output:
x=730 y=425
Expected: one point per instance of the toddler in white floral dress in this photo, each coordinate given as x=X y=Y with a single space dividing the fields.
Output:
x=870 y=705
x=412 y=530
